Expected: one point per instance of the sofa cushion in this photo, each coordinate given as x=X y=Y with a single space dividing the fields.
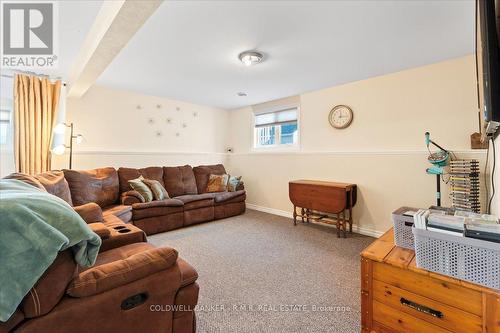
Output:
x=55 y=183
x=203 y=172
x=123 y=212
x=179 y=180
x=143 y=189
x=199 y=204
x=156 y=208
x=217 y=183
x=159 y=203
x=195 y=197
x=51 y=181
x=97 y=185
x=226 y=197
x=28 y=179
x=193 y=201
x=120 y=253
x=101 y=278
x=159 y=192
x=51 y=287
x=233 y=183
x=126 y=174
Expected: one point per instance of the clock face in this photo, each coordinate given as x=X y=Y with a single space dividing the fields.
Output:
x=340 y=116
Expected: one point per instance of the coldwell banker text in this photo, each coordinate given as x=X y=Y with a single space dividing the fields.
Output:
x=29 y=30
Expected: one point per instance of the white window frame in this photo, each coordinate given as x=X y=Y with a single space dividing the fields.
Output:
x=276 y=147
x=7 y=105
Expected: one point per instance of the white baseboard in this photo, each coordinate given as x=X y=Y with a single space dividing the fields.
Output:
x=355 y=227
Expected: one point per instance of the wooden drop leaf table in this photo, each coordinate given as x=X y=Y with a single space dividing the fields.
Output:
x=322 y=201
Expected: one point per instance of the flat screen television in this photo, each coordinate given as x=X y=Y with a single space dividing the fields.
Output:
x=488 y=65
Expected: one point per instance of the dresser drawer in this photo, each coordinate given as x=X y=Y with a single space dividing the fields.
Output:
x=403 y=322
x=438 y=290
x=436 y=313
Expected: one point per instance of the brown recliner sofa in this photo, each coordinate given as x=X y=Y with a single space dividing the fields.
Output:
x=189 y=203
x=132 y=287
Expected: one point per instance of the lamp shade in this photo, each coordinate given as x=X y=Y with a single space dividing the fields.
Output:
x=59 y=150
x=60 y=128
x=79 y=139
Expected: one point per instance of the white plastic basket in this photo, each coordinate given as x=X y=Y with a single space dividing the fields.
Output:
x=465 y=258
x=403 y=237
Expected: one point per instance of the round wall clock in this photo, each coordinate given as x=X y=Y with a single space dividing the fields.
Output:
x=341 y=116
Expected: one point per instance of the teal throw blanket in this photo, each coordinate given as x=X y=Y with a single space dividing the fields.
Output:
x=34 y=227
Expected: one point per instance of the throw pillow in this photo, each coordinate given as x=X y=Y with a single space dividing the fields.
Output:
x=159 y=192
x=217 y=183
x=233 y=183
x=143 y=189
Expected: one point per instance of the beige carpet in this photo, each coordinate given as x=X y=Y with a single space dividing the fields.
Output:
x=259 y=273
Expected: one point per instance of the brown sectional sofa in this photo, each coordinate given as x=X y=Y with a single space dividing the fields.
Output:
x=103 y=193
x=189 y=204
x=130 y=276
x=132 y=287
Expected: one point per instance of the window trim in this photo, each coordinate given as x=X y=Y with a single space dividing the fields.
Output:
x=7 y=105
x=275 y=147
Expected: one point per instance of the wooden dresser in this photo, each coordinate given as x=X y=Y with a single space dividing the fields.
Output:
x=396 y=296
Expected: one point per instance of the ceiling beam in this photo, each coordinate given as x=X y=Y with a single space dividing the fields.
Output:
x=114 y=26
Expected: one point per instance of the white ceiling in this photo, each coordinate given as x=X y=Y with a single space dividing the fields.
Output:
x=75 y=19
x=188 y=49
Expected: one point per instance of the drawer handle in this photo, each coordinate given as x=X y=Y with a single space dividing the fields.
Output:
x=421 y=308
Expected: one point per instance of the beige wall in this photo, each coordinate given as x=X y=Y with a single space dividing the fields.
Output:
x=382 y=151
x=118 y=134
x=495 y=203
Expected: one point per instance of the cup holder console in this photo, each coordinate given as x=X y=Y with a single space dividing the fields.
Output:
x=124 y=231
x=119 y=227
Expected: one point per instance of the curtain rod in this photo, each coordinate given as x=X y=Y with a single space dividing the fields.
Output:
x=35 y=74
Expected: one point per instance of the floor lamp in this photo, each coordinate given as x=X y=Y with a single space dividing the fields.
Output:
x=60 y=149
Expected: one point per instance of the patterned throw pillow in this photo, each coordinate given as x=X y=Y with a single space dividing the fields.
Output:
x=217 y=183
x=233 y=183
x=159 y=192
x=143 y=189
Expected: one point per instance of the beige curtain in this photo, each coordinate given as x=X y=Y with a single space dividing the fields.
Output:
x=35 y=105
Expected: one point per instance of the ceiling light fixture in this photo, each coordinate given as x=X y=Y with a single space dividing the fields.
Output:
x=241 y=94
x=249 y=58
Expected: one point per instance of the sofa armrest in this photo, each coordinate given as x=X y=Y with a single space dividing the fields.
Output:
x=240 y=187
x=112 y=275
x=89 y=212
x=100 y=229
x=131 y=197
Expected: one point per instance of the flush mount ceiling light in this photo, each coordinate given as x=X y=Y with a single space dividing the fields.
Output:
x=249 y=58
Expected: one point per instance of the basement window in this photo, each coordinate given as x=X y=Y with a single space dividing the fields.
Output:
x=5 y=126
x=277 y=128
x=6 y=114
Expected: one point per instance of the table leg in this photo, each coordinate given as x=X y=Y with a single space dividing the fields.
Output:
x=338 y=225
x=294 y=215
x=350 y=211
x=308 y=211
x=302 y=213
x=344 y=227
